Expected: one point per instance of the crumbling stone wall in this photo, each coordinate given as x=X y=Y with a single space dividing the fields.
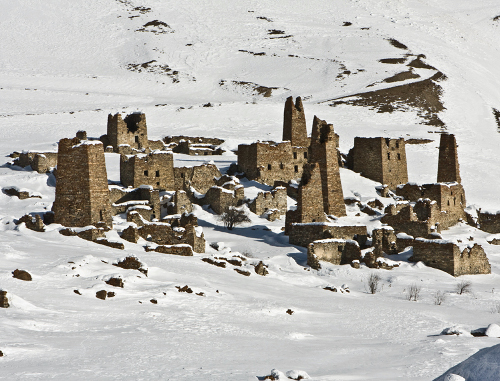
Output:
x=274 y=200
x=194 y=145
x=155 y=169
x=447 y=256
x=123 y=199
x=294 y=123
x=132 y=131
x=323 y=150
x=82 y=196
x=180 y=203
x=304 y=234
x=267 y=162
x=41 y=162
x=336 y=251
x=201 y=177
x=380 y=159
x=448 y=168
x=420 y=220
x=488 y=222
x=384 y=241
x=220 y=198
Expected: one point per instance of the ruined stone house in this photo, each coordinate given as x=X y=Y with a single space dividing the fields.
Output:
x=380 y=159
x=155 y=169
x=129 y=131
x=144 y=198
x=200 y=177
x=41 y=162
x=189 y=145
x=275 y=200
x=448 y=256
x=82 y=196
x=336 y=251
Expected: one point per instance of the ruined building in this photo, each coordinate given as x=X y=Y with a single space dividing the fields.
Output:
x=273 y=204
x=448 y=169
x=82 y=196
x=268 y=162
x=437 y=206
x=294 y=123
x=380 y=159
x=323 y=150
x=130 y=131
x=155 y=169
x=447 y=256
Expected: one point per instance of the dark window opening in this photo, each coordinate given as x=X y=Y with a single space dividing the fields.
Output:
x=388 y=156
x=295 y=155
x=269 y=166
x=182 y=175
x=157 y=173
x=305 y=155
x=454 y=201
x=448 y=202
x=153 y=216
x=397 y=144
x=101 y=215
x=136 y=139
x=340 y=248
x=296 y=168
x=158 y=183
x=399 y=156
x=282 y=166
x=145 y=173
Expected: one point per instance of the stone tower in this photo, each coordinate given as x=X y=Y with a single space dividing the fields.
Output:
x=155 y=169
x=380 y=159
x=131 y=131
x=310 y=196
x=294 y=123
x=81 y=184
x=323 y=150
x=448 y=169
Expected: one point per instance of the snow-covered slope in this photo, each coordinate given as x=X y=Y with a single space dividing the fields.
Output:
x=64 y=67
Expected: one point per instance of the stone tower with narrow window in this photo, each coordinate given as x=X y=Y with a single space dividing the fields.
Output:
x=294 y=123
x=323 y=150
x=380 y=159
x=155 y=169
x=448 y=169
x=82 y=195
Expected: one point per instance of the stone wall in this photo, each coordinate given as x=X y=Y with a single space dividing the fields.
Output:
x=380 y=159
x=446 y=256
x=488 y=222
x=180 y=203
x=336 y=251
x=384 y=241
x=267 y=162
x=323 y=150
x=155 y=169
x=274 y=200
x=294 y=123
x=123 y=199
x=131 y=130
x=220 y=198
x=201 y=177
x=448 y=168
x=82 y=196
x=41 y=162
x=304 y=234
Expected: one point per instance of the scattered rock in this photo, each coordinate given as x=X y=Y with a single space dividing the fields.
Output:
x=154 y=301
x=22 y=195
x=21 y=274
x=110 y=294
x=289 y=311
x=200 y=294
x=1 y=354
x=116 y=282
x=215 y=263
x=4 y=301
x=131 y=263
x=184 y=289
x=242 y=272
x=328 y=288
x=261 y=269
x=101 y=294
x=77 y=292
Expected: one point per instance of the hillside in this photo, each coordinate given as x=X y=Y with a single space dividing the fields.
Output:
x=407 y=69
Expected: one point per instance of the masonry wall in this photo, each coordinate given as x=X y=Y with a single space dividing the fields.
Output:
x=336 y=251
x=304 y=234
x=381 y=159
x=82 y=196
x=201 y=177
x=268 y=162
x=276 y=199
x=131 y=130
x=155 y=169
x=294 y=123
x=323 y=150
x=489 y=222
x=447 y=256
x=448 y=168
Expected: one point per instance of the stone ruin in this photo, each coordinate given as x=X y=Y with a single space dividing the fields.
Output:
x=194 y=145
x=129 y=131
x=155 y=169
x=42 y=162
x=4 y=300
x=272 y=204
x=336 y=251
x=82 y=196
x=380 y=159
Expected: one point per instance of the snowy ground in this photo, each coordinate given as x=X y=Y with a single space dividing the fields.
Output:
x=64 y=68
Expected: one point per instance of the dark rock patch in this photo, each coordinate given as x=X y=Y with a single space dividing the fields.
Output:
x=186 y=288
x=242 y=272
x=115 y=282
x=132 y=263
x=101 y=294
x=21 y=274
x=215 y=263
